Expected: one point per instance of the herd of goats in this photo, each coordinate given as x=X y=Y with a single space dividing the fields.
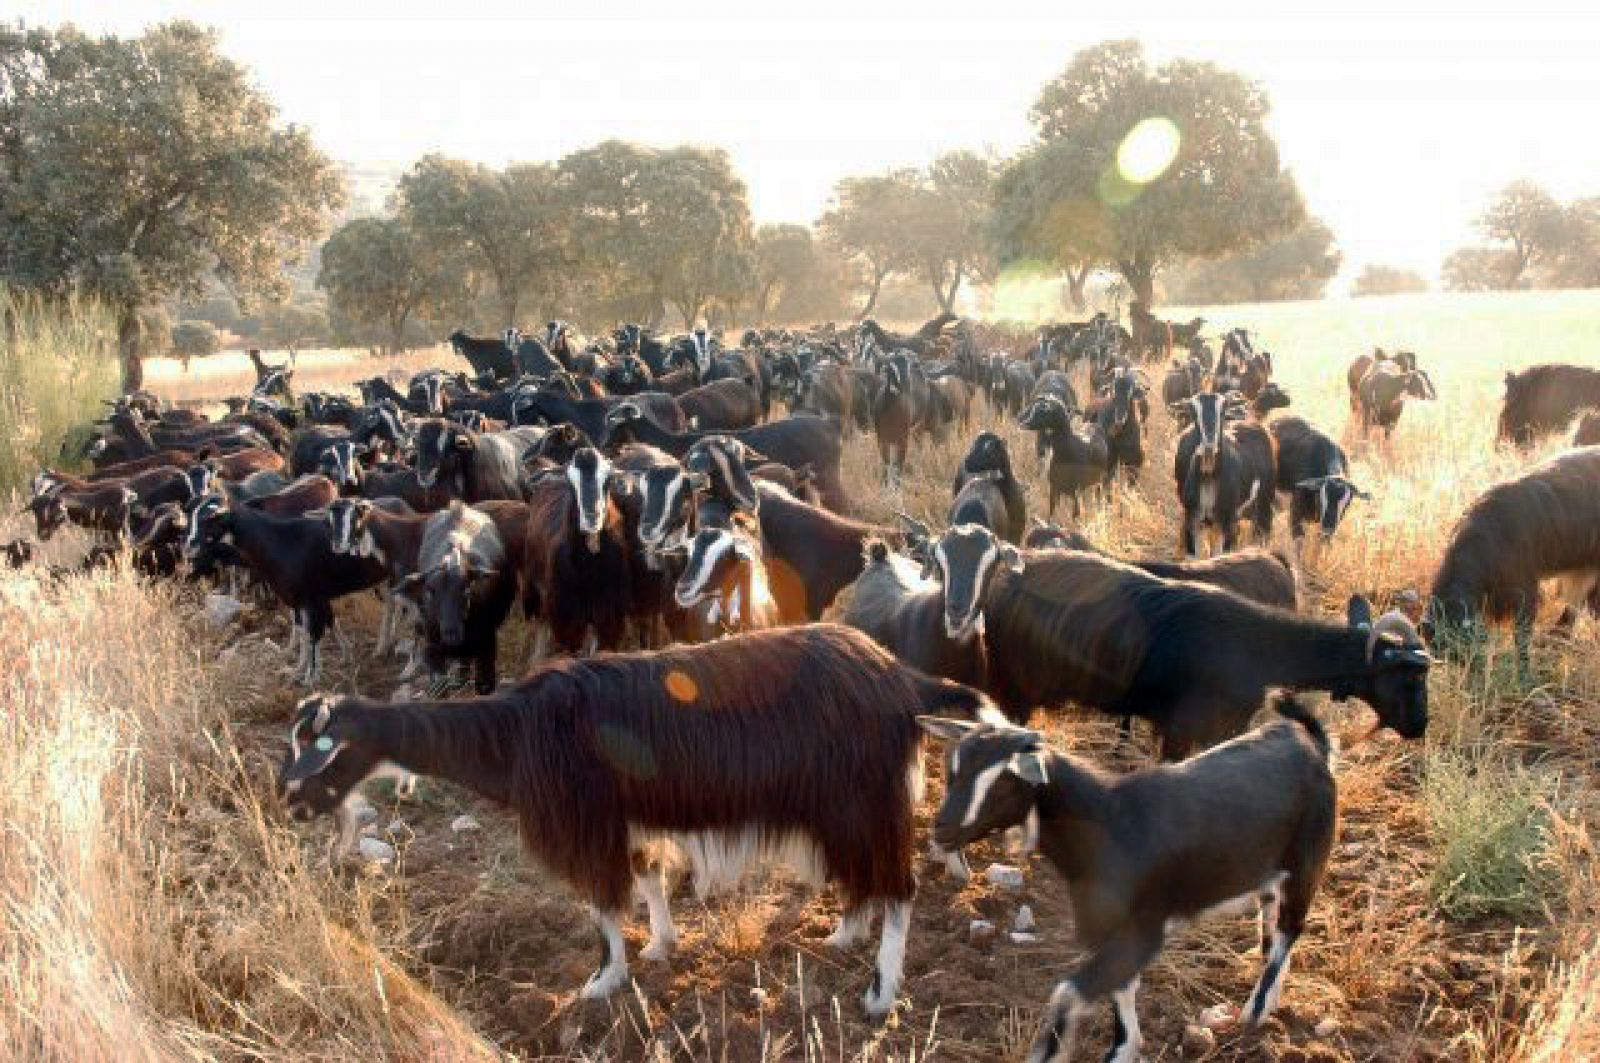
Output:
x=645 y=492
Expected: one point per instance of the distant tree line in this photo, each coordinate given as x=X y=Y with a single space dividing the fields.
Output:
x=1532 y=240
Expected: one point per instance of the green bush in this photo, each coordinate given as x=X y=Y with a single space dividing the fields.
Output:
x=58 y=359
x=196 y=338
x=1490 y=826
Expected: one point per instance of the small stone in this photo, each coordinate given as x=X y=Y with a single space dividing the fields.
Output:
x=1326 y=1029
x=464 y=823
x=374 y=849
x=1198 y=1041
x=1219 y=1016
x=1024 y=922
x=222 y=609
x=981 y=930
x=1004 y=876
x=1023 y=939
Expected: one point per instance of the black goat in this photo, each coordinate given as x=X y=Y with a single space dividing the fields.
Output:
x=1314 y=472
x=474 y=467
x=1120 y=412
x=1250 y=823
x=1194 y=661
x=1218 y=480
x=721 y=406
x=576 y=572
x=464 y=586
x=902 y=608
x=1076 y=462
x=485 y=355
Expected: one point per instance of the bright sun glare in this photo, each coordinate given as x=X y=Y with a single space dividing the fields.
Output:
x=1148 y=150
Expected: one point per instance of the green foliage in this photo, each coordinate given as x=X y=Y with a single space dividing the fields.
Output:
x=867 y=223
x=1490 y=824
x=510 y=221
x=381 y=275
x=1378 y=279
x=58 y=359
x=950 y=232
x=785 y=256
x=1296 y=266
x=137 y=167
x=1065 y=200
x=196 y=339
x=659 y=227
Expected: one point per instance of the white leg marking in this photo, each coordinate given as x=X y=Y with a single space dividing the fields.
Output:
x=663 y=935
x=1122 y=999
x=1264 y=998
x=891 y=958
x=955 y=861
x=609 y=978
x=853 y=925
x=1059 y=1029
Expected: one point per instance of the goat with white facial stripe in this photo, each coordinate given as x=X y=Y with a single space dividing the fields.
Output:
x=1251 y=820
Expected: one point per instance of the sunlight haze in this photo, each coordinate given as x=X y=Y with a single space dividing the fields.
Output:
x=1398 y=126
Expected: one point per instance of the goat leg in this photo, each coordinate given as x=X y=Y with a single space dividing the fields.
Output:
x=891 y=960
x=651 y=884
x=613 y=970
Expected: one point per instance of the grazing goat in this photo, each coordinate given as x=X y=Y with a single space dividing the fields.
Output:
x=1248 y=824
x=1544 y=523
x=797 y=745
x=1314 y=472
x=1544 y=399
x=1193 y=660
x=294 y=556
x=1076 y=462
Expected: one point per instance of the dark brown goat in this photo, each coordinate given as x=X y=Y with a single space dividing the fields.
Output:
x=799 y=744
x=1542 y=524
x=1544 y=399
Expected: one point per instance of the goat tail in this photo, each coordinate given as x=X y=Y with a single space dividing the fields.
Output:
x=1292 y=708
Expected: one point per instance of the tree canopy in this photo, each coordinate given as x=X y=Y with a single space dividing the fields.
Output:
x=1138 y=167
x=1529 y=220
x=867 y=222
x=1296 y=266
x=1376 y=279
x=382 y=274
x=135 y=168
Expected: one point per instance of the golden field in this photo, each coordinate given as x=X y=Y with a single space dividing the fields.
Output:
x=156 y=904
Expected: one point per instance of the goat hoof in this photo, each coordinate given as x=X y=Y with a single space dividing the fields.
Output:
x=603 y=983
x=877 y=1006
x=658 y=950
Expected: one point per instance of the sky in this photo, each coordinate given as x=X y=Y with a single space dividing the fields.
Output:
x=1399 y=120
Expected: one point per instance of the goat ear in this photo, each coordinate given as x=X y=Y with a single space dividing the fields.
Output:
x=753 y=456
x=315 y=759
x=1012 y=558
x=1359 y=612
x=1029 y=767
x=1311 y=484
x=946 y=729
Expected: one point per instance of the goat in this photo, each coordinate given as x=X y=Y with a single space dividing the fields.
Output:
x=464 y=586
x=797 y=744
x=1010 y=384
x=899 y=604
x=485 y=355
x=593 y=415
x=576 y=572
x=1193 y=660
x=726 y=575
x=1249 y=823
x=989 y=456
x=1544 y=523
x=900 y=408
x=294 y=556
x=1314 y=472
x=1544 y=398
x=473 y=467
x=1223 y=469
x=1383 y=392
x=1046 y=535
x=721 y=406
x=1120 y=413
x=1076 y=462
x=797 y=442
x=1365 y=363
x=104 y=507
x=1184 y=380
x=982 y=501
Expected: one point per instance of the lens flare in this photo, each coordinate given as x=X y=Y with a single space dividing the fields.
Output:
x=1148 y=150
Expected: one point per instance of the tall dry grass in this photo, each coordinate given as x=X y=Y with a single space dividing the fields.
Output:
x=58 y=359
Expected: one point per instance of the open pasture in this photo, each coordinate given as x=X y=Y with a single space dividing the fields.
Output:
x=155 y=903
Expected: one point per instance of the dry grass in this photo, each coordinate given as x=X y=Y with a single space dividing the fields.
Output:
x=154 y=905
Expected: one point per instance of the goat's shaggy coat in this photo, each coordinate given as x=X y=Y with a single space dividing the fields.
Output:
x=801 y=740
x=1544 y=399
x=1544 y=523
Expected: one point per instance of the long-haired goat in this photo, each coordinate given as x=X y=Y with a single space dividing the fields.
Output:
x=1250 y=823
x=799 y=744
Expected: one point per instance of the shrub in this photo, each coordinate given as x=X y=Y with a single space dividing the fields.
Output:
x=1490 y=822
x=58 y=359
x=196 y=338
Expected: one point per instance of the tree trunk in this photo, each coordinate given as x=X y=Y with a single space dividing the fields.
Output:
x=766 y=301
x=510 y=302
x=872 y=300
x=1076 y=282
x=397 y=334
x=130 y=340
x=1141 y=278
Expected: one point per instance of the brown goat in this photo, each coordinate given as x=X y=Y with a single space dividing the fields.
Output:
x=1544 y=399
